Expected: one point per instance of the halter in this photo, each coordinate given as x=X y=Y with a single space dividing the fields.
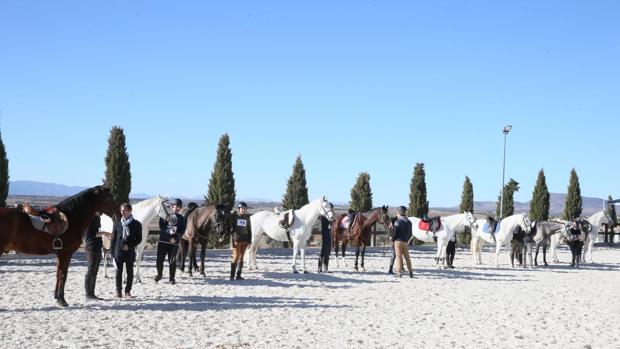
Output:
x=471 y=220
x=325 y=212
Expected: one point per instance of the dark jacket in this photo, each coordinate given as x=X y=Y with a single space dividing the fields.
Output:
x=402 y=229
x=168 y=231
x=91 y=241
x=326 y=231
x=133 y=240
x=241 y=227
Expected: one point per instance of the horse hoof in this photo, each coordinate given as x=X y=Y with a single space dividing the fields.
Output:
x=62 y=303
x=203 y=274
x=295 y=272
x=305 y=272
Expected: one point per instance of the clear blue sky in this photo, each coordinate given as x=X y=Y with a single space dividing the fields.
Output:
x=351 y=86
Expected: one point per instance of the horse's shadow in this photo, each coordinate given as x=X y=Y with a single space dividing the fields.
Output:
x=193 y=303
x=463 y=274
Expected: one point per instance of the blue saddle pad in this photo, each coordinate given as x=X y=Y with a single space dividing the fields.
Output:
x=487 y=227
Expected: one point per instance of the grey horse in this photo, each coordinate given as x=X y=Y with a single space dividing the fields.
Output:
x=543 y=232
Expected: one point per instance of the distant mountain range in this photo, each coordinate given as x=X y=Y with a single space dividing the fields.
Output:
x=34 y=188
x=557 y=200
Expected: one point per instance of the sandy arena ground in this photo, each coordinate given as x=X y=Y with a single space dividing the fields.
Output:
x=468 y=307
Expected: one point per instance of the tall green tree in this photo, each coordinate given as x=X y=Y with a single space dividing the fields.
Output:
x=418 y=205
x=296 y=190
x=509 y=203
x=4 y=174
x=467 y=197
x=118 y=168
x=574 y=203
x=361 y=195
x=222 y=183
x=540 y=203
x=611 y=209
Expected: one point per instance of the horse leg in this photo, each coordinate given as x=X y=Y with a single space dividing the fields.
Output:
x=363 y=253
x=192 y=256
x=336 y=245
x=203 y=248
x=182 y=255
x=295 y=247
x=590 y=248
x=302 y=248
x=344 y=247
x=498 y=249
x=62 y=267
x=536 y=254
x=139 y=252
x=357 y=255
x=545 y=255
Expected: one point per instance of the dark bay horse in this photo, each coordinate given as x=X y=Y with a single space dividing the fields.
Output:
x=360 y=233
x=18 y=234
x=201 y=222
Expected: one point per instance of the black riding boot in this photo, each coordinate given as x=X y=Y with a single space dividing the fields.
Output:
x=239 y=270
x=320 y=270
x=233 y=269
x=391 y=270
x=326 y=264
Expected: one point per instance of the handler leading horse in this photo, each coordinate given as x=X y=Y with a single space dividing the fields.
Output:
x=17 y=232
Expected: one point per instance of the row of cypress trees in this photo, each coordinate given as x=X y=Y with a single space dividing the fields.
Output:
x=222 y=185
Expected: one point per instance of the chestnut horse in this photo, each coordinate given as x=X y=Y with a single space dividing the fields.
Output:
x=360 y=233
x=201 y=222
x=17 y=232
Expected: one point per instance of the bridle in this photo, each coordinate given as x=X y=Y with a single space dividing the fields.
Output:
x=326 y=212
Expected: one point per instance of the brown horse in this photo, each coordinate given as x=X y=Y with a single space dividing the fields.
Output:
x=360 y=233
x=201 y=222
x=18 y=234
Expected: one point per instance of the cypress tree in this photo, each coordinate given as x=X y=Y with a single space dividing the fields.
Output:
x=418 y=205
x=467 y=205
x=509 y=204
x=361 y=195
x=467 y=197
x=540 y=203
x=118 y=168
x=222 y=183
x=296 y=191
x=4 y=174
x=574 y=202
x=611 y=210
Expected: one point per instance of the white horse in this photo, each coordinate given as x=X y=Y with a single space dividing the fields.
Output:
x=299 y=230
x=478 y=236
x=503 y=236
x=145 y=212
x=595 y=220
x=449 y=226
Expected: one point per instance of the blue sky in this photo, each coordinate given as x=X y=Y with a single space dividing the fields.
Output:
x=351 y=86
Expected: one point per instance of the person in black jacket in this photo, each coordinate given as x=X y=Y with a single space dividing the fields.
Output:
x=92 y=247
x=402 y=234
x=326 y=245
x=171 y=230
x=242 y=238
x=126 y=236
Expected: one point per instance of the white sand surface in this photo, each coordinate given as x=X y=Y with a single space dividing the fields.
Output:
x=468 y=307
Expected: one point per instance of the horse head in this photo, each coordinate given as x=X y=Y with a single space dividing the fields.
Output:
x=105 y=202
x=471 y=221
x=384 y=218
x=327 y=209
x=161 y=207
x=220 y=221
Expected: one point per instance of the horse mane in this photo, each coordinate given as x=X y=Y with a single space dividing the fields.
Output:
x=72 y=203
x=145 y=202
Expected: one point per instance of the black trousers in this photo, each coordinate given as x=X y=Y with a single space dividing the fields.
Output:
x=326 y=248
x=164 y=250
x=450 y=252
x=128 y=263
x=93 y=259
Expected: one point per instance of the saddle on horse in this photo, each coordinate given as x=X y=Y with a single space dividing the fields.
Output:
x=49 y=220
x=288 y=218
x=430 y=224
